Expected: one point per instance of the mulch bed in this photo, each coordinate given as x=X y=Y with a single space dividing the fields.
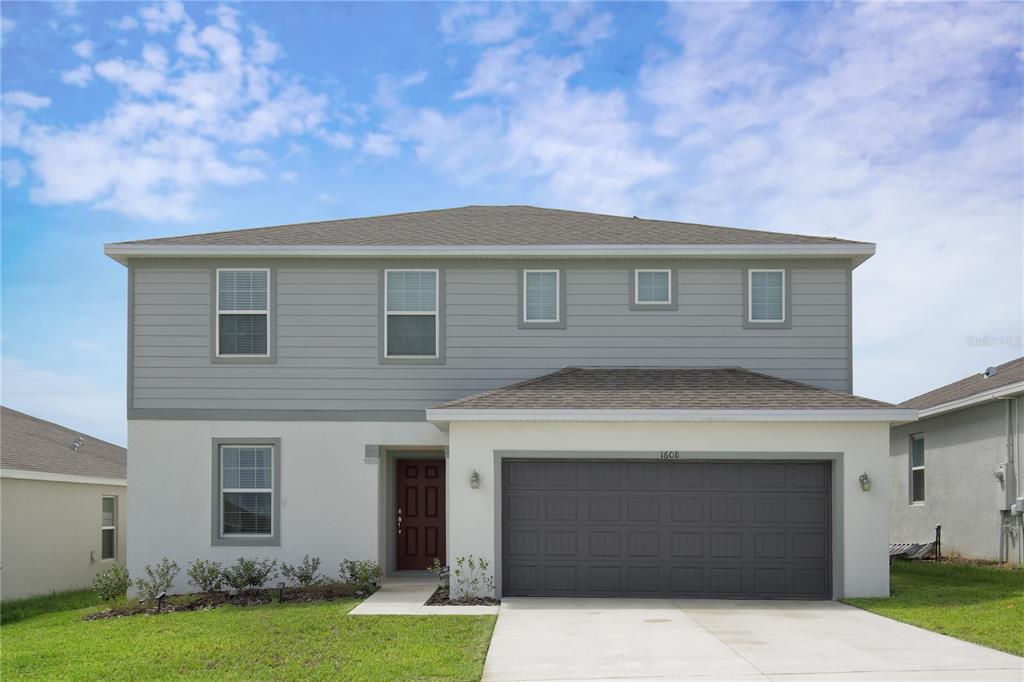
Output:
x=441 y=597
x=200 y=601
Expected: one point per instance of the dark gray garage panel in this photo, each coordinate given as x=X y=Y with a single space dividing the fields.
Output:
x=732 y=529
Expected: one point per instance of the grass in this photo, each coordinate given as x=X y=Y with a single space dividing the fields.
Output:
x=281 y=642
x=13 y=610
x=980 y=604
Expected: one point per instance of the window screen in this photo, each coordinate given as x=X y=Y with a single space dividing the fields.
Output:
x=242 y=312
x=410 y=313
x=108 y=528
x=917 y=468
x=540 y=296
x=767 y=295
x=653 y=286
x=247 y=489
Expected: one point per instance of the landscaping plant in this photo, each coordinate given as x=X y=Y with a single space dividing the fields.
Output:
x=112 y=584
x=250 y=574
x=472 y=580
x=207 y=576
x=365 y=574
x=305 y=574
x=156 y=580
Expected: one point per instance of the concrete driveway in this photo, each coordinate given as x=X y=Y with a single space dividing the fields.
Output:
x=595 y=639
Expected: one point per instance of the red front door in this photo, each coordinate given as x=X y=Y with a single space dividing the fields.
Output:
x=419 y=520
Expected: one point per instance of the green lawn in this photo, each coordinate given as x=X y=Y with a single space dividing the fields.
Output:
x=980 y=604
x=281 y=642
x=19 y=609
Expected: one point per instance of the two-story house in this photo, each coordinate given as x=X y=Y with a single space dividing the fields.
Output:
x=600 y=405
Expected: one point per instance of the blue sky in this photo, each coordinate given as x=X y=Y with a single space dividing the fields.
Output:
x=897 y=124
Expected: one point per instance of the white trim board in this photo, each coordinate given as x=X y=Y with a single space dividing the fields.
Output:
x=858 y=252
x=444 y=416
x=28 y=475
x=1004 y=391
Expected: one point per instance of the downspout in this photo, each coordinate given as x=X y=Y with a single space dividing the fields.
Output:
x=1012 y=525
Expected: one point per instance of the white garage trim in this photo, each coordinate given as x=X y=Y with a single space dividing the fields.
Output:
x=444 y=416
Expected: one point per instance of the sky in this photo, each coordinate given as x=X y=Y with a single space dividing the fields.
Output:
x=895 y=124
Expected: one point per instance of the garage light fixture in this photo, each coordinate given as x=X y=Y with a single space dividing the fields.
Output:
x=865 y=482
x=474 y=480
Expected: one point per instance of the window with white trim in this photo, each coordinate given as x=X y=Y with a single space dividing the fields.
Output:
x=652 y=287
x=766 y=296
x=541 y=295
x=410 y=313
x=108 y=528
x=243 y=313
x=917 y=468
x=246 y=490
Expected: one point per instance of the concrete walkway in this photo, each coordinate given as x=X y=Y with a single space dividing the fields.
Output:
x=406 y=597
x=635 y=639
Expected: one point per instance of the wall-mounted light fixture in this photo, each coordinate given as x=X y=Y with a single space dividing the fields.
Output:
x=474 y=480
x=865 y=481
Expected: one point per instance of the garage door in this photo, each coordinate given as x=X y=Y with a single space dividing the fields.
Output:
x=730 y=529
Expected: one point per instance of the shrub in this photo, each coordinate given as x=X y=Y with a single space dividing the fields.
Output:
x=250 y=574
x=156 y=580
x=472 y=580
x=364 y=574
x=111 y=584
x=206 y=575
x=305 y=574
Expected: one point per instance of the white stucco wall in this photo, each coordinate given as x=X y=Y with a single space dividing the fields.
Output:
x=50 y=536
x=329 y=492
x=860 y=530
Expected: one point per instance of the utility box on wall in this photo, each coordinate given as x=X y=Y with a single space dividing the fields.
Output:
x=1008 y=485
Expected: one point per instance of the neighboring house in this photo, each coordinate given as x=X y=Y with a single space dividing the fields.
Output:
x=959 y=467
x=396 y=388
x=63 y=498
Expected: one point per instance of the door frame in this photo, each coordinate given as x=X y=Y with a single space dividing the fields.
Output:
x=387 y=484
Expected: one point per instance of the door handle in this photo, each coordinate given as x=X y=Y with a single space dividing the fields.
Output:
x=399 y=520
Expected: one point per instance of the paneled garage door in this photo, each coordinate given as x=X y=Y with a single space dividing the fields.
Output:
x=730 y=529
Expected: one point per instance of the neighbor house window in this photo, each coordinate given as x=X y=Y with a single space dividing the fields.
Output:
x=652 y=286
x=541 y=295
x=917 y=468
x=246 y=490
x=410 y=313
x=243 y=313
x=108 y=529
x=766 y=296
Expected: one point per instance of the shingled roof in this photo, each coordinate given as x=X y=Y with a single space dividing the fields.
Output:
x=1011 y=372
x=491 y=226
x=31 y=444
x=661 y=388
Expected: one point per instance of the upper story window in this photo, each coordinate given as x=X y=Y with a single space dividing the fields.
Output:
x=652 y=287
x=243 y=313
x=410 y=314
x=246 y=490
x=766 y=296
x=917 y=468
x=541 y=295
x=108 y=528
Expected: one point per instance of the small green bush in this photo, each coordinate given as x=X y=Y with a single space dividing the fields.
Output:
x=112 y=584
x=157 y=580
x=472 y=580
x=305 y=574
x=206 y=576
x=250 y=574
x=364 y=574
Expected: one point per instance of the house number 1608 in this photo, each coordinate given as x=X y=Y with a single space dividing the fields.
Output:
x=669 y=454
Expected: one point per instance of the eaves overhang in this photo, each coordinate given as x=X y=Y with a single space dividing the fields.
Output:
x=857 y=252
x=998 y=393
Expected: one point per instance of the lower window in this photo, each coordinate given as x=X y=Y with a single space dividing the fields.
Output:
x=246 y=490
x=917 y=468
x=108 y=529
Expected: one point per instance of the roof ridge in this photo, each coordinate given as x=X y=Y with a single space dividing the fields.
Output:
x=802 y=384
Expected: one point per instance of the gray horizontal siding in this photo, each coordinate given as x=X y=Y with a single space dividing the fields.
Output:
x=327 y=333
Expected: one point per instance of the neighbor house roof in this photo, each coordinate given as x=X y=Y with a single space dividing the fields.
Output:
x=1008 y=379
x=483 y=229
x=659 y=389
x=28 y=443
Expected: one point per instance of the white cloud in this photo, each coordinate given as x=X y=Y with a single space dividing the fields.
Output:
x=379 y=144
x=92 y=407
x=84 y=48
x=7 y=25
x=291 y=177
x=479 y=25
x=79 y=76
x=578 y=21
x=13 y=172
x=67 y=8
x=126 y=23
x=183 y=120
